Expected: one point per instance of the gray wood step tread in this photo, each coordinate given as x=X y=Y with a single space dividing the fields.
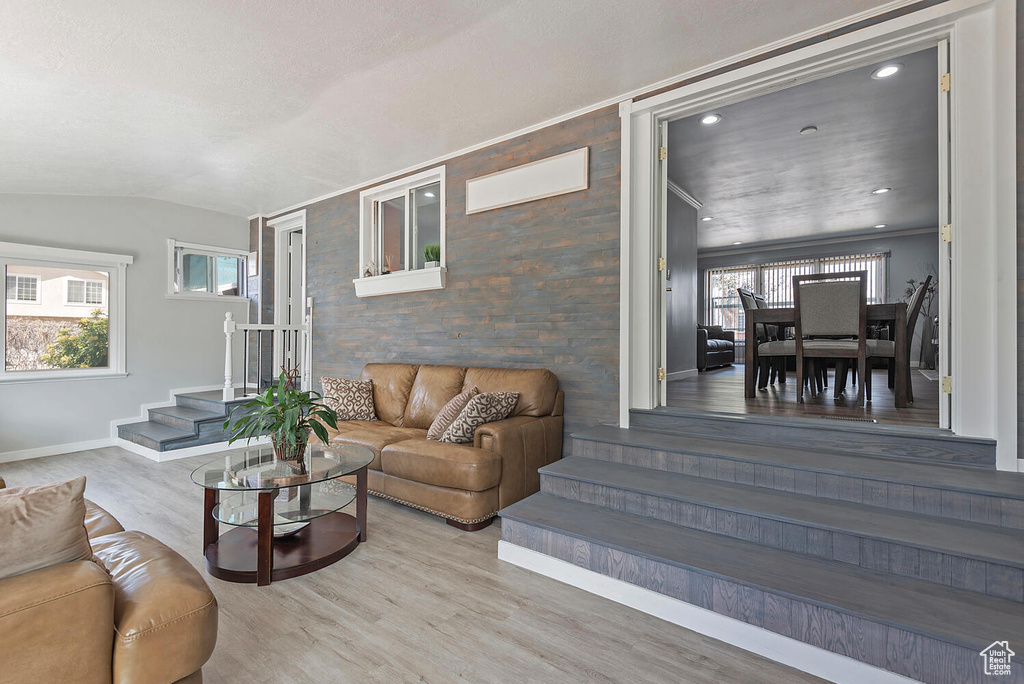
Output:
x=972 y=540
x=187 y=413
x=158 y=432
x=215 y=396
x=951 y=615
x=952 y=477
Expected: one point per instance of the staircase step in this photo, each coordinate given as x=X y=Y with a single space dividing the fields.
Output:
x=183 y=417
x=980 y=558
x=909 y=626
x=912 y=443
x=210 y=400
x=944 y=490
x=152 y=435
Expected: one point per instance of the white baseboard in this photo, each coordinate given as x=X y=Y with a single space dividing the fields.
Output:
x=811 y=659
x=681 y=375
x=53 y=449
x=187 y=452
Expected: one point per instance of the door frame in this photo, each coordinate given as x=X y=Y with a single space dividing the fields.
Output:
x=282 y=227
x=982 y=41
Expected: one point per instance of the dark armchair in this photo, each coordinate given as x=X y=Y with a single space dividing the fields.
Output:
x=715 y=347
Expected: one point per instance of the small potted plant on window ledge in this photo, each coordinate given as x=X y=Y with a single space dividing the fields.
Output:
x=287 y=415
x=431 y=256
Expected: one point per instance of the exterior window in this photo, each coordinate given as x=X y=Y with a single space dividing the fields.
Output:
x=22 y=288
x=85 y=292
x=775 y=281
x=402 y=235
x=64 y=316
x=203 y=272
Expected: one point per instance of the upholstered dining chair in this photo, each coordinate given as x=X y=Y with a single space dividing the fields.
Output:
x=831 y=322
x=887 y=348
x=769 y=353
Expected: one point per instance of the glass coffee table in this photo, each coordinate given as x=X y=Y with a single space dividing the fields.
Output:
x=286 y=514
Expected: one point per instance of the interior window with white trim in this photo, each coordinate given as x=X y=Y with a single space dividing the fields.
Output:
x=62 y=317
x=403 y=225
x=202 y=271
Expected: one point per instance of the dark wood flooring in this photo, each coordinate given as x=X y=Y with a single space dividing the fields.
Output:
x=721 y=390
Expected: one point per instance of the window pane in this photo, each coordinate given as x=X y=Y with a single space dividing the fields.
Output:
x=426 y=225
x=94 y=292
x=76 y=292
x=48 y=327
x=392 y=235
x=228 y=269
x=195 y=273
x=723 y=302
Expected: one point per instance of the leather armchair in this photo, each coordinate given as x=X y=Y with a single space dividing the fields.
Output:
x=715 y=347
x=136 y=613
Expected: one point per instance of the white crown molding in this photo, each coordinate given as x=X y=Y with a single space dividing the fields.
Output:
x=683 y=195
x=621 y=100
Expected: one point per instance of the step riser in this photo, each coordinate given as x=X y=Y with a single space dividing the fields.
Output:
x=824 y=436
x=141 y=440
x=878 y=554
x=906 y=653
x=945 y=503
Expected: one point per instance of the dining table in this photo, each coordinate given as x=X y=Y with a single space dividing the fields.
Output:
x=893 y=314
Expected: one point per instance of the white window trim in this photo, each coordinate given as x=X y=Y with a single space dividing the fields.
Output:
x=116 y=265
x=67 y=298
x=400 y=281
x=39 y=293
x=207 y=250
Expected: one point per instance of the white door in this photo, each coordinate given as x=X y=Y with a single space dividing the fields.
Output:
x=945 y=271
x=661 y=272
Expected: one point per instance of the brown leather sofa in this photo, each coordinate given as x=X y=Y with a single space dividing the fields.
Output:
x=464 y=483
x=136 y=613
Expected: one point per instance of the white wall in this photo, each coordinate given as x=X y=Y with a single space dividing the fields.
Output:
x=170 y=343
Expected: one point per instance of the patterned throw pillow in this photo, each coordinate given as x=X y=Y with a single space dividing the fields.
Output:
x=483 y=408
x=351 y=399
x=447 y=415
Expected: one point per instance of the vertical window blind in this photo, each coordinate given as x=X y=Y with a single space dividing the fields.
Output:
x=774 y=280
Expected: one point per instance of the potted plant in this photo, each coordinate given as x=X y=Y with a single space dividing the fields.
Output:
x=431 y=256
x=287 y=415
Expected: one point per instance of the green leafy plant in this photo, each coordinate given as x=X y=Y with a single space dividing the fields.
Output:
x=431 y=252
x=84 y=347
x=283 y=412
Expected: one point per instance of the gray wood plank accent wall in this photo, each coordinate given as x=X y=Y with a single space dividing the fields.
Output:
x=535 y=285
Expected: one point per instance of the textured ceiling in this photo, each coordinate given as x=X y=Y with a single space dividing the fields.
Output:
x=763 y=182
x=247 y=106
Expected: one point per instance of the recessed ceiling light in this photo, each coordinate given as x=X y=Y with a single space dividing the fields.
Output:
x=428 y=194
x=707 y=218
x=807 y=130
x=738 y=242
x=886 y=71
x=880 y=191
x=880 y=225
x=710 y=119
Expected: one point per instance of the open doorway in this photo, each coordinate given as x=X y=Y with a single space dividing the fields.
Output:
x=847 y=173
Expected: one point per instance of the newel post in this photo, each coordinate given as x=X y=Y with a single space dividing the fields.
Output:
x=229 y=330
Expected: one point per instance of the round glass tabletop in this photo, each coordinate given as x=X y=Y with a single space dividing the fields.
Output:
x=258 y=468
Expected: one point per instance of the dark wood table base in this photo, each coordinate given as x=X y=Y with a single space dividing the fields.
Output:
x=252 y=555
x=325 y=540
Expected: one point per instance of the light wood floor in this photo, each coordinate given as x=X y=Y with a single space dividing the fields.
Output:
x=419 y=601
x=721 y=390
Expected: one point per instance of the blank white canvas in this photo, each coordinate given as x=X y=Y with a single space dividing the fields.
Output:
x=558 y=175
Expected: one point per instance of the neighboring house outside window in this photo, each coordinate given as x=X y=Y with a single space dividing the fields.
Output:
x=64 y=313
x=23 y=288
